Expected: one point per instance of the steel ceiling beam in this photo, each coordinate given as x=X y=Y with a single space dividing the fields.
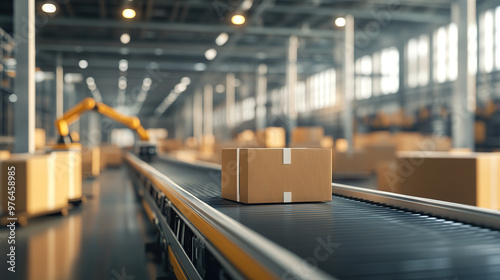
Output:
x=186 y=27
x=362 y=13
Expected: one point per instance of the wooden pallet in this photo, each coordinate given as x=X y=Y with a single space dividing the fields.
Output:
x=24 y=217
x=78 y=201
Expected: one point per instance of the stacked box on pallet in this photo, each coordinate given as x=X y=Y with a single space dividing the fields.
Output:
x=91 y=162
x=68 y=168
x=37 y=188
x=467 y=178
x=111 y=155
x=4 y=154
x=271 y=137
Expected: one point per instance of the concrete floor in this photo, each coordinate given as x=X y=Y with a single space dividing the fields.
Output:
x=102 y=239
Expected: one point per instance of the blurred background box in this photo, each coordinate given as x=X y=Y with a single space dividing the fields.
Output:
x=471 y=179
x=91 y=161
x=37 y=189
x=271 y=137
x=68 y=172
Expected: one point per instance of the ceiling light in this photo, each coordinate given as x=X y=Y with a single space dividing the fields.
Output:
x=238 y=19
x=221 y=39
x=246 y=5
x=122 y=84
x=220 y=88
x=49 y=8
x=83 y=64
x=147 y=82
x=158 y=51
x=125 y=38
x=180 y=88
x=13 y=98
x=200 y=66
x=237 y=82
x=90 y=81
x=340 y=22
x=210 y=54
x=128 y=13
x=186 y=80
x=123 y=65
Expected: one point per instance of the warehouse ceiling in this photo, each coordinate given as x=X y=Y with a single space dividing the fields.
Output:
x=169 y=39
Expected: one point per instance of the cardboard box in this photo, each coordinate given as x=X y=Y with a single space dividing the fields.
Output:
x=356 y=163
x=168 y=145
x=480 y=132
x=327 y=142
x=471 y=179
x=386 y=170
x=91 y=162
x=380 y=153
x=276 y=175
x=341 y=145
x=271 y=137
x=111 y=155
x=4 y=155
x=68 y=170
x=36 y=191
x=40 y=139
x=246 y=136
x=207 y=145
x=306 y=135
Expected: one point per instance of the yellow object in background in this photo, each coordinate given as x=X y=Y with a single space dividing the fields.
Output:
x=37 y=187
x=40 y=139
x=91 y=162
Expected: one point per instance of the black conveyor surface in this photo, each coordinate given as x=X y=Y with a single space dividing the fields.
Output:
x=367 y=241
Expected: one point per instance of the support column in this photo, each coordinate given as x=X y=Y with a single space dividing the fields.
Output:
x=198 y=115
x=59 y=86
x=24 y=84
x=291 y=83
x=261 y=97
x=230 y=100
x=208 y=104
x=464 y=95
x=349 y=80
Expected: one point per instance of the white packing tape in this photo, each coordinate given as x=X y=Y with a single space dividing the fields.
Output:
x=287 y=156
x=287 y=197
x=238 y=174
x=51 y=189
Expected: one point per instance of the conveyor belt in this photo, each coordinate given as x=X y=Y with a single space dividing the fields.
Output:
x=350 y=239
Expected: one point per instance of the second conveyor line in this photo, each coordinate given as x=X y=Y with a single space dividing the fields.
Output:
x=351 y=239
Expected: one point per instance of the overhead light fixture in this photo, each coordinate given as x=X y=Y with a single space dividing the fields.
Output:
x=158 y=51
x=123 y=65
x=200 y=66
x=13 y=98
x=221 y=39
x=210 y=54
x=128 y=13
x=246 y=5
x=49 y=8
x=220 y=88
x=238 y=19
x=90 y=81
x=340 y=22
x=125 y=38
x=147 y=81
x=186 y=81
x=83 y=64
x=122 y=84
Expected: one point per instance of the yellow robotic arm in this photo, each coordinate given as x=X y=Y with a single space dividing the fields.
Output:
x=89 y=104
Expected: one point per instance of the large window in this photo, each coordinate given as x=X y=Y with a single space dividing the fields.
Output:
x=445 y=53
x=322 y=89
x=363 y=77
x=417 y=61
x=489 y=41
x=389 y=70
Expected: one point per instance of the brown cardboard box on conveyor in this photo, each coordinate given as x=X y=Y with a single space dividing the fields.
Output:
x=261 y=175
